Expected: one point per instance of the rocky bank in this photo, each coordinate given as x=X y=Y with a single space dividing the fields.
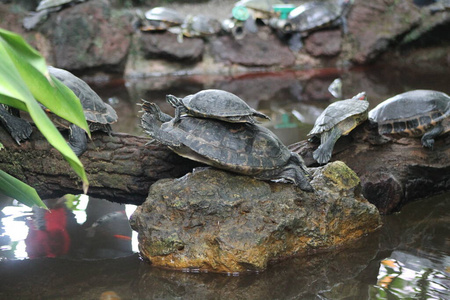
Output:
x=211 y=220
x=98 y=35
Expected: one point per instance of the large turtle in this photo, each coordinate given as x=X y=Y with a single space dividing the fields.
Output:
x=18 y=128
x=311 y=16
x=237 y=147
x=215 y=104
x=338 y=119
x=44 y=8
x=99 y=114
x=417 y=113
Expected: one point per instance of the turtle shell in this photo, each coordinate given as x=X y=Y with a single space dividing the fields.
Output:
x=44 y=4
x=219 y=104
x=411 y=113
x=238 y=147
x=164 y=14
x=316 y=14
x=200 y=25
x=338 y=112
x=95 y=110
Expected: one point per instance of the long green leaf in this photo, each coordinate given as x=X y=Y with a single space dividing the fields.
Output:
x=16 y=189
x=54 y=95
x=14 y=91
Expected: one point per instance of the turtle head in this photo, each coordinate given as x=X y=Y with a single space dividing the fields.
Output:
x=174 y=101
x=360 y=96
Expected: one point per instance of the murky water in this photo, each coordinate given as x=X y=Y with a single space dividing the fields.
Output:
x=85 y=249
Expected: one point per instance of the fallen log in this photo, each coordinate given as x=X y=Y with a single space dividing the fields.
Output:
x=392 y=172
x=119 y=167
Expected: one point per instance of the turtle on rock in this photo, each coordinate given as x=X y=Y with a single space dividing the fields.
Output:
x=160 y=19
x=311 y=16
x=417 y=113
x=241 y=148
x=338 y=119
x=44 y=8
x=215 y=104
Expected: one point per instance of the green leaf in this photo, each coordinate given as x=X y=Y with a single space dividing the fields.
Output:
x=48 y=90
x=16 y=189
x=16 y=75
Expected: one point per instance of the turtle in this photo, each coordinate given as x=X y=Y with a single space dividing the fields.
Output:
x=161 y=19
x=416 y=113
x=199 y=25
x=312 y=16
x=241 y=148
x=215 y=104
x=44 y=8
x=98 y=114
x=338 y=119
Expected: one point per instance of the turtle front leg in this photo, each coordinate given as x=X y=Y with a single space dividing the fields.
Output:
x=323 y=153
x=428 y=137
x=18 y=128
x=77 y=139
x=154 y=110
x=151 y=126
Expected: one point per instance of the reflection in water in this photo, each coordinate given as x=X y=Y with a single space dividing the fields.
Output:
x=409 y=258
x=87 y=229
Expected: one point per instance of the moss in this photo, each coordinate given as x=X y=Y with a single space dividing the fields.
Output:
x=166 y=246
x=341 y=174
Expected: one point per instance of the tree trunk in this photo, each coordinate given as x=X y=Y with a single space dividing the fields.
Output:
x=120 y=167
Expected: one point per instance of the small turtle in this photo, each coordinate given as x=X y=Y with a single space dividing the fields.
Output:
x=199 y=25
x=44 y=8
x=311 y=16
x=237 y=147
x=99 y=114
x=215 y=104
x=338 y=119
x=161 y=19
x=417 y=113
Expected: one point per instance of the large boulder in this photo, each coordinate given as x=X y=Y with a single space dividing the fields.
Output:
x=211 y=220
x=88 y=36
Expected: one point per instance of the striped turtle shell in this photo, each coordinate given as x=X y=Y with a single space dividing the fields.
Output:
x=95 y=110
x=338 y=112
x=412 y=113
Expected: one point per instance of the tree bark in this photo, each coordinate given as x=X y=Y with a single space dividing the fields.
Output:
x=392 y=172
x=120 y=167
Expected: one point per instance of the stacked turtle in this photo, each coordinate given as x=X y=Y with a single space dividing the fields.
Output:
x=219 y=129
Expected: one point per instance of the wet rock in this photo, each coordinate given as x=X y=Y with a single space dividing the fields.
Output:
x=217 y=221
x=375 y=25
x=87 y=36
x=165 y=45
x=256 y=50
x=324 y=43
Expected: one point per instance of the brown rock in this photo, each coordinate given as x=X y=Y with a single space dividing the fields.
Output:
x=256 y=50
x=324 y=43
x=217 y=221
x=85 y=36
x=165 y=45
